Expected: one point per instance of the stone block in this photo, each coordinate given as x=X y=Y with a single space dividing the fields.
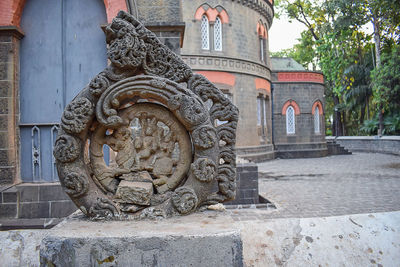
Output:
x=5 y=51
x=4 y=107
x=4 y=157
x=4 y=122
x=28 y=193
x=34 y=210
x=52 y=192
x=134 y=192
x=7 y=175
x=143 y=176
x=10 y=195
x=4 y=71
x=60 y=209
x=5 y=38
x=121 y=246
x=5 y=88
x=8 y=210
x=3 y=140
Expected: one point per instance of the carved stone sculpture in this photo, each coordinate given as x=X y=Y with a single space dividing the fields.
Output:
x=171 y=131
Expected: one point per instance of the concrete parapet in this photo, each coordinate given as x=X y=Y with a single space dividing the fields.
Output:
x=374 y=144
x=85 y=243
x=350 y=240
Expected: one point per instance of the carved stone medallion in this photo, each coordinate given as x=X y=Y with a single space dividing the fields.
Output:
x=140 y=141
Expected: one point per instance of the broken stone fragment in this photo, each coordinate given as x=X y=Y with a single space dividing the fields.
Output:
x=138 y=193
x=143 y=176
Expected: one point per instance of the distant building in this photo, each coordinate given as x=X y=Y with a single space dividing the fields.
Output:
x=50 y=50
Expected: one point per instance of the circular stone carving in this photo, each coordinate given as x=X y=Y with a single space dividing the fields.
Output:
x=66 y=148
x=140 y=141
x=75 y=184
x=184 y=200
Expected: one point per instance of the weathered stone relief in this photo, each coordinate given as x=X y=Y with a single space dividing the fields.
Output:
x=170 y=152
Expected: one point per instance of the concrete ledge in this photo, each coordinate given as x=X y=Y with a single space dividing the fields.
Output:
x=350 y=240
x=214 y=249
x=371 y=144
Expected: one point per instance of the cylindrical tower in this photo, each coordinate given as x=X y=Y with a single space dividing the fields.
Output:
x=227 y=41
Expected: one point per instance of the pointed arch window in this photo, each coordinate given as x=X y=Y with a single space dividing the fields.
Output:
x=205 y=34
x=290 y=120
x=316 y=120
x=262 y=49
x=218 y=34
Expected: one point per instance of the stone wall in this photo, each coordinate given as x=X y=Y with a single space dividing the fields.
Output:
x=9 y=109
x=246 y=184
x=29 y=201
x=370 y=144
x=164 y=18
x=305 y=142
x=304 y=94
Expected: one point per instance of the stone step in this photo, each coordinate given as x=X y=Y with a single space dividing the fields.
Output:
x=259 y=157
x=254 y=149
x=302 y=153
x=336 y=149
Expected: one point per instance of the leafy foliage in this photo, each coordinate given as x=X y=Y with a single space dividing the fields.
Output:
x=336 y=44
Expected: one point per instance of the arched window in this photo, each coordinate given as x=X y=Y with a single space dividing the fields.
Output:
x=205 y=36
x=261 y=49
x=218 y=35
x=259 y=111
x=290 y=120
x=316 y=120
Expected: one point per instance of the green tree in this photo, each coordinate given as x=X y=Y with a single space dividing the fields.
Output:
x=386 y=81
x=334 y=32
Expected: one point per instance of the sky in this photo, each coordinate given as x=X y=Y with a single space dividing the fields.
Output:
x=283 y=34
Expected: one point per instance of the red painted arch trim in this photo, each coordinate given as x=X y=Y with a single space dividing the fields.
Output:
x=113 y=7
x=212 y=14
x=219 y=77
x=263 y=84
x=11 y=10
x=293 y=104
x=261 y=30
x=319 y=105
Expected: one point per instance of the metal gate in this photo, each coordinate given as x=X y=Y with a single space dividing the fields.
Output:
x=63 y=48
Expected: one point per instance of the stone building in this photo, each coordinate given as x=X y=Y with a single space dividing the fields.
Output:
x=49 y=50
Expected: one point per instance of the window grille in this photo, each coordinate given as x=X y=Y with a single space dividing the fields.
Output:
x=218 y=35
x=316 y=120
x=290 y=120
x=205 y=36
x=259 y=108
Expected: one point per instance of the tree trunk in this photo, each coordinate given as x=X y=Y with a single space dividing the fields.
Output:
x=377 y=39
x=367 y=101
x=362 y=113
x=344 y=119
x=337 y=121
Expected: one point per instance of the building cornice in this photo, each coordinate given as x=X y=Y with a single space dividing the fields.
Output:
x=227 y=64
x=264 y=7
x=298 y=77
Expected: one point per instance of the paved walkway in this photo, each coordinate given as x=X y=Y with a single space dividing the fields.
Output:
x=334 y=185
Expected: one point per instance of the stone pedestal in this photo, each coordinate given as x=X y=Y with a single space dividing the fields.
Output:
x=149 y=243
